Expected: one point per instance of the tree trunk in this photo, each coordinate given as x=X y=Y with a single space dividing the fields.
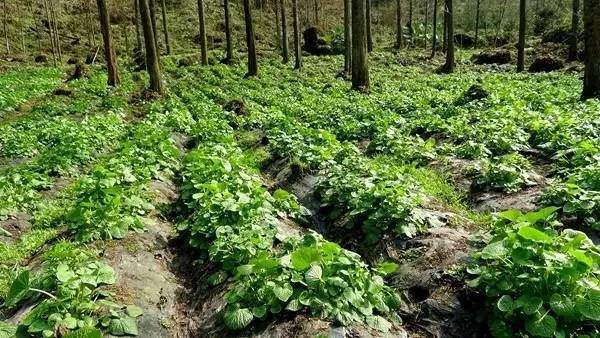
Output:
x=369 y=36
x=360 y=56
x=434 y=36
x=316 y=12
x=165 y=26
x=591 y=22
x=426 y=20
x=574 y=31
x=153 y=21
x=499 y=27
x=250 y=44
x=56 y=31
x=297 y=50
x=50 y=32
x=449 y=14
x=445 y=33
x=522 y=28
x=284 y=37
x=152 y=57
x=347 y=37
x=5 y=25
x=229 y=43
x=399 y=30
x=136 y=22
x=92 y=24
x=109 y=53
x=410 y=20
x=202 y=32
x=277 y=26
x=477 y=12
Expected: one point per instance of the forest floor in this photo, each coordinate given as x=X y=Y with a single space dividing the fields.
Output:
x=287 y=205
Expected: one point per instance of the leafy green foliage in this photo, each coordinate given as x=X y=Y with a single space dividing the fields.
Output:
x=509 y=172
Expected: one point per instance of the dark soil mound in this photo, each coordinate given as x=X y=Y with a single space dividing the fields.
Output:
x=41 y=58
x=546 y=64
x=314 y=44
x=464 y=40
x=500 y=57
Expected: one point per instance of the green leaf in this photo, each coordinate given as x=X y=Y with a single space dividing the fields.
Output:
x=534 y=234
x=106 y=275
x=589 y=305
x=64 y=273
x=541 y=327
x=134 y=311
x=499 y=329
x=505 y=304
x=530 y=304
x=540 y=215
x=303 y=257
x=123 y=326
x=259 y=311
x=387 y=268
x=293 y=305
x=238 y=319
x=18 y=288
x=511 y=215
x=313 y=274
x=562 y=305
x=283 y=293
x=86 y=332
x=379 y=323
x=494 y=250
x=580 y=256
x=7 y=330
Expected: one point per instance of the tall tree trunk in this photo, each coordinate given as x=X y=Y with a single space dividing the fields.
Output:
x=92 y=23
x=399 y=30
x=109 y=53
x=316 y=2
x=449 y=14
x=591 y=23
x=500 y=20
x=297 y=50
x=5 y=25
x=153 y=21
x=426 y=20
x=165 y=26
x=347 y=37
x=360 y=56
x=250 y=43
x=522 y=29
x=434 y=36
x=477 y=13
x=277 y=26
x=228 y=42
x=56 y=31
x=284 y=37
x=202 y=32
x=445 y=32
x=369 y=36
x=410 y=20
x=50 y=32
x=574 y=31
x=136 y=23
x=152 y=56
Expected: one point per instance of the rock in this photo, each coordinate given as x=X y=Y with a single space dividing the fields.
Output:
x=41 y=58
x=314 y=44
x=338 y=45
x=464 y=40
x=546 y=64
x=236 y=106
x=475 y=92
x=500 y=56
x=73 y=61
x=186 y=61
x=62 y=92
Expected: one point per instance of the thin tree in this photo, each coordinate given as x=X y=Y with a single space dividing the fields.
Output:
x=316 y=3
x=284 y=37
x=399 y=32
x=426 y=24
x=5 y=25
x=347 y=37
x=522 y=28
x=136 y=23
x=360 y=56
x=202 y=34
x=250 y=43
x=228 y=42
x=153 y=21
x=109 y=53
x=410 y=20
x=50 y=33
x=574 y=31
x=591 y=24
x=448 y=67
x=445 y=32
x=297 y=50
x=434 y=36
x=477 y=14
x=277 y=26
x=152 y=56
x=369 y=36
x=165 y=26
x=54 y=25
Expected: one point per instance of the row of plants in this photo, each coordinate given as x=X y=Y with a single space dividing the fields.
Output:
x=20 y=85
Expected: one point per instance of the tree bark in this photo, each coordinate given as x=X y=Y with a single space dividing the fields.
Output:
x=426 y=20
x=109 y=53
x=284 y=37
x=477 y=13
x=591 y=23
x=434 y=36
x=56 y=31
x=153 y=21
x=297 y=50
x=410 y=19
x=369 y=36
x=574 y=31
x=136 y=22
x=152 y=56
x=228 y=42
x=165 y=26
x=449 y=15
x=522 y=29
x=316 y=3
x=347 y=37
x=445 y=33
x=50 y=32
x=360 y=56
x=277 y=26
x=250 y=43
x=202 y=32
x=399 y=31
